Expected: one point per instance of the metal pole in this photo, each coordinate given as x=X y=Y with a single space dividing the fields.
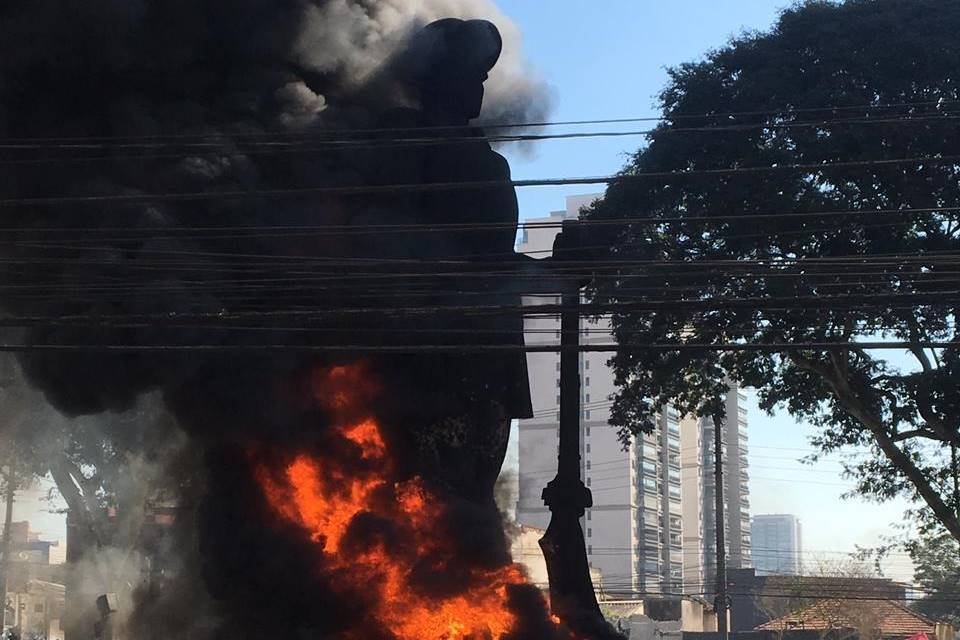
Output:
x=720 y=603
x=572 y=597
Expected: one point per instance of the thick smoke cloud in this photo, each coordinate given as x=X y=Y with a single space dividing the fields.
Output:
x=145 y=97
x=127 y=74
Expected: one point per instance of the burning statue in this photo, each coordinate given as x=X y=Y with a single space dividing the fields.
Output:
x=344 y=495
x=462 y=436
x=401 y=520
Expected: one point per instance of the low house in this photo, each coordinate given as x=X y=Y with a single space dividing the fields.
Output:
x=866 y=619
x=756 y=599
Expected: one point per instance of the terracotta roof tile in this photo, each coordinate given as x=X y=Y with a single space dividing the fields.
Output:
x=888 y=617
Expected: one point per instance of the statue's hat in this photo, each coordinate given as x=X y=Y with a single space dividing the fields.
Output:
x=454 y=47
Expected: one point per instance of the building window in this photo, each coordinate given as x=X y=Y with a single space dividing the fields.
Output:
x=586 y=414
x=587 y=381
x=586 y=364
x=588 y=464
x=588 y=447
x=558 y=366
x=650 y=484
x=558 y=383
x=589 y=548
x=588 y=482
x=588 y=428
x=558 y=399
x=589 y=532
x=674 y=492
x=588 y=397
x=589 y=514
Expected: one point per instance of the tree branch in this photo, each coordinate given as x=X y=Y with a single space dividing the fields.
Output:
x=922 y=394
x=915 y=433
x=853 y=405
x=66 y=476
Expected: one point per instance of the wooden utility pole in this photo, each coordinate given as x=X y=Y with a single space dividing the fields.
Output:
x=571 y=590
x=720 y=602
x=9 y=494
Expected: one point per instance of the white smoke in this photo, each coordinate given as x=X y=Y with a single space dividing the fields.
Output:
x=355 y=37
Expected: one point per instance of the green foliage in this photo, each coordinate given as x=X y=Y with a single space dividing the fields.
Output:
x=936 y=560
x=727 y=259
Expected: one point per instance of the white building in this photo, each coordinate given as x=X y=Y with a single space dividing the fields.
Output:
x=699 y=499
x=777 y=545
x=633 y=531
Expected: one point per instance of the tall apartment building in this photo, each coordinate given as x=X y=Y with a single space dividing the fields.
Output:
x=633 y=531
x=699 y=498
x=777 y=545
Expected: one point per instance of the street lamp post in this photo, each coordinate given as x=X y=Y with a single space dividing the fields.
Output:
x=572 y=596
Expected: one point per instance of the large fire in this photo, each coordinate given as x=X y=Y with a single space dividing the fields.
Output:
x=332 y=497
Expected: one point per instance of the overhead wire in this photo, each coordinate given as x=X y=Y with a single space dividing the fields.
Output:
x=313 y=143
x=420 y=187
x=779 y=112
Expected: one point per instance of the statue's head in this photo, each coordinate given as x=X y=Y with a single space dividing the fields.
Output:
x=450 y=59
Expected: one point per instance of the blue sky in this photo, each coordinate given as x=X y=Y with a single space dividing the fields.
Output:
x=609 y=61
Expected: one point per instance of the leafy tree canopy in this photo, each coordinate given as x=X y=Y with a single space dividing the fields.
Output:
x=803 y=188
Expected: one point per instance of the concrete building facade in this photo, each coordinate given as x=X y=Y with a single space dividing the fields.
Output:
x=699 y=498
x=633 y=531
x=777 y=544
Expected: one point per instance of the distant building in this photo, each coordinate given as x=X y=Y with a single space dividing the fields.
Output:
x=699 y=498
x=35 y=590
x=35 y=609
x=633 y=532
x=776 y=544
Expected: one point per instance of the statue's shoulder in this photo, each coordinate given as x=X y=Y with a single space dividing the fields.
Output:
x=401 y=118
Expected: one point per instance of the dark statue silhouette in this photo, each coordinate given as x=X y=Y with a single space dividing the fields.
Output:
x=474 y=394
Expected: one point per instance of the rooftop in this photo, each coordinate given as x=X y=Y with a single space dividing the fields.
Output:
x=888 y=617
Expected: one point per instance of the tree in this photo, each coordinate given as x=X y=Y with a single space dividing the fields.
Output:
x=935 y=555
x=109 y=469
x=802 y=188
x=936 y=561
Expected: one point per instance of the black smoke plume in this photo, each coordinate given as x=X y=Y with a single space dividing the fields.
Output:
x=137 y=137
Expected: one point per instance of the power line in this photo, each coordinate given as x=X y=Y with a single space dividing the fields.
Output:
x=310 y=143
x=357 y=190
x=786 y=110
x=456 y=348
x=257 y=231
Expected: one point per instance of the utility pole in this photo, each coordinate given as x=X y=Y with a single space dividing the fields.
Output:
x=571 y=591
x=9 y=492
x=720 y=602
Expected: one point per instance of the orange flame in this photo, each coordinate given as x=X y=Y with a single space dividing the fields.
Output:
x=324 y=496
